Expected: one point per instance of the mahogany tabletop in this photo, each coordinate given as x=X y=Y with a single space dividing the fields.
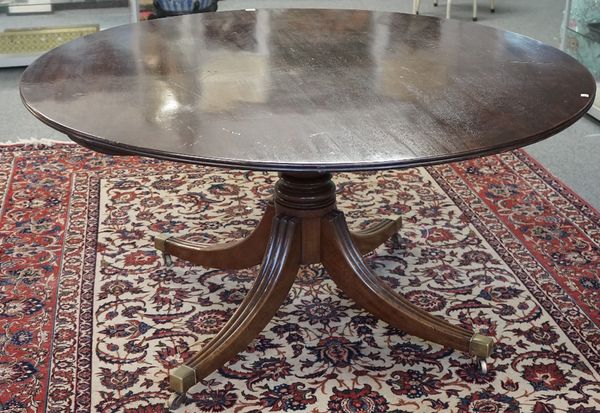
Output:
x=307 y=90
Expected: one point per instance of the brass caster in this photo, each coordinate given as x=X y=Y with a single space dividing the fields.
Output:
x=481 y=365
x=182 y=379
x=481 y=346
x=160 y=241
x=175 y=401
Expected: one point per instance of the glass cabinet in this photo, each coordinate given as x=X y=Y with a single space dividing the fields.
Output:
x=581 y=38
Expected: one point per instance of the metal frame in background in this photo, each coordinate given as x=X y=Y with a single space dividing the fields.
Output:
x=16 y=59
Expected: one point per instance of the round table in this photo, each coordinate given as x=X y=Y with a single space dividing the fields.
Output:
x=306 y=93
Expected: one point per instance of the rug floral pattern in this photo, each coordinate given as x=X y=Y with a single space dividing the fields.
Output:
x=494 y=244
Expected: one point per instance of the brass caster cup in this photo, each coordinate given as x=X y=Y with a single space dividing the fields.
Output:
x=481 y=346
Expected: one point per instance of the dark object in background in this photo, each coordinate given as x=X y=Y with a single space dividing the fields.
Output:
x=594 y=30
x=166 y=8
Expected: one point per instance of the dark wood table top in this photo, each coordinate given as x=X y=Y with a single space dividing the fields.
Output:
x=307 y=90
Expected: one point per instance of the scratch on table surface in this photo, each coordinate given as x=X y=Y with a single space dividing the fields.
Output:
x=193 y=92
x=317 y=134
x=194 y=133
x=230 y=131
x=530 y=62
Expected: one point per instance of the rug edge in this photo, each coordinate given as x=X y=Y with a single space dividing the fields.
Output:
x=34 y=141
x=529 y=158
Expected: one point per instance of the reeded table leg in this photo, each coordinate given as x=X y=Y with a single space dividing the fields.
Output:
x=235 y=255
x=272 y=285
x=372 y=237
x=343 y=262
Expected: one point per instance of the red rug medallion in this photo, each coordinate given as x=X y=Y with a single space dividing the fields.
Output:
x=92 y=319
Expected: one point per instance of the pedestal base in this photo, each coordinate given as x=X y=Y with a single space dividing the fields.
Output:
x=303 y=226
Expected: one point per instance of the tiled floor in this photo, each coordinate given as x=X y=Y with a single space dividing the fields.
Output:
x=573 y=155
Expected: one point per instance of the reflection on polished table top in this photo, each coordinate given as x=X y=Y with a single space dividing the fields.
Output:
x=307 y=90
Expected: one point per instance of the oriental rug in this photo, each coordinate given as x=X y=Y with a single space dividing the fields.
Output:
x=92 y=318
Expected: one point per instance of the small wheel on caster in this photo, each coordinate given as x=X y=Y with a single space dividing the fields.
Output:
x=396 y=244
x=482 y=365
x=160 y=243
x=175 y=401
x=168 y=260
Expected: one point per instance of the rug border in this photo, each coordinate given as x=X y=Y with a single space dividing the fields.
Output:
x=536 y=165
x=545 y=174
